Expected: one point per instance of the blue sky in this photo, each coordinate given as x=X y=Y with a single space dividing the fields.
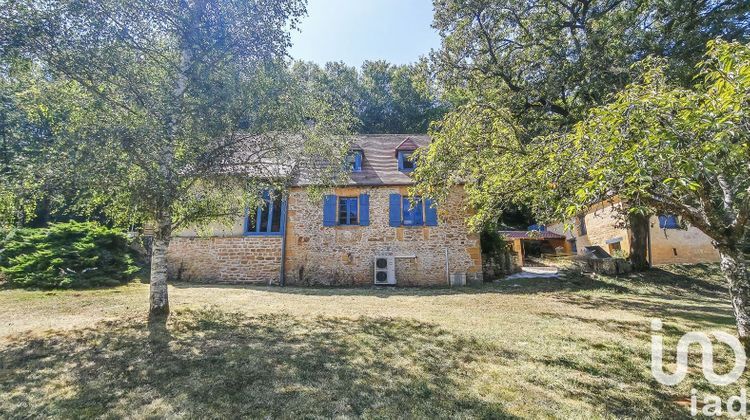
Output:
x=357 y=30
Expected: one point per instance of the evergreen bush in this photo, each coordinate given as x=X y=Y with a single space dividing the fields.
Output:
x=66 y=255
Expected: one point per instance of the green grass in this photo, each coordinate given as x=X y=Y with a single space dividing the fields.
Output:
x=575 y=347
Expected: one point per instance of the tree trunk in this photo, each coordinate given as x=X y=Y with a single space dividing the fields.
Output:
x=734 y=265
x=159 y=300
x=639 y=231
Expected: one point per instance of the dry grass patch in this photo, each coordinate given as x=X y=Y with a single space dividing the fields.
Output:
x=575 y=347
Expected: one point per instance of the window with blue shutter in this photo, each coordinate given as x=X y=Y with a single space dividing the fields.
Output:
x=430 y=213
x=329 y=210
x=267 y=220
x=348 y=211
x=668 y=222
x=412 y=208
x=354 y=161
x=394 y=214
x=364 y=209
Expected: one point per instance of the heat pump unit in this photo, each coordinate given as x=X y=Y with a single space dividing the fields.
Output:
x=385 y=270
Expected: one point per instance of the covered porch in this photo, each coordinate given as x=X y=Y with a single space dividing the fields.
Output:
x=532 y=244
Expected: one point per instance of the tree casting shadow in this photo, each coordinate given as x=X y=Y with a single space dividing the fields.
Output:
x=214 y=364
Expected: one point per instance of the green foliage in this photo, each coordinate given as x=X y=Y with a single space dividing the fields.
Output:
x=180 y=113
x=523 y=74
x=384 y=98
x=672 y=150
x=66 y=255
x=549 y=61
x=493 y=243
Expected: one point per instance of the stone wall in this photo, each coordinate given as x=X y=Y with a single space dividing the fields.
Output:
x=668 y=246
x=602 y=225
x=499 y=265
x=340 y=255
x=225 y=259
x=678 y=246
x=344 y=255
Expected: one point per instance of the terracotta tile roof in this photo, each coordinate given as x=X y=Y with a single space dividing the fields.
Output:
x=527 y=234
x=379 y=162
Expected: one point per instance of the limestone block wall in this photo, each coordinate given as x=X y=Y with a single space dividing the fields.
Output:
x=602 y=224
x=344 y=255
x=340 y=255
x=668 y=246
x=677 y=246
x=225 y=259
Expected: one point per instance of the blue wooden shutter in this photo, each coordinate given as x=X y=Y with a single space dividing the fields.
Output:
x=358 y=162
x=395 y=210
x=430 y=213
x=668 y=221
x=329 y=210
x=364 y=209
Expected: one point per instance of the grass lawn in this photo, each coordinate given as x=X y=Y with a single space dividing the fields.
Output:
x=574 y=347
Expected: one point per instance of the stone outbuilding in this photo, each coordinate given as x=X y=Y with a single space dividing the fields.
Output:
x=670 y=241
x=368 y=230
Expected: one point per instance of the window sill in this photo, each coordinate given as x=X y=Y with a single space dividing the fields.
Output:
x=262 y=234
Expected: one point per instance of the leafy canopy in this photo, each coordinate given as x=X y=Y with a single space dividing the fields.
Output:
x=522 y=74
x=179 y=111
x=672 y=150
x=384 y=98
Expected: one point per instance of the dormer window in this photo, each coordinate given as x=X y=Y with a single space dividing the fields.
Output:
x=404 y=155
x=405 y=162
x=354 y=161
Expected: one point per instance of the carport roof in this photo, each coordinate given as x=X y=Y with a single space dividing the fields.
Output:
x=530 y=234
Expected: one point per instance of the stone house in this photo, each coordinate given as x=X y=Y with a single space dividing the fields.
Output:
x=365 y=229
x=670 y=242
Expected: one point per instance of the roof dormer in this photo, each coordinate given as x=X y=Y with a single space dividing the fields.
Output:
x=354 y=159
x=403 y=154
x=408 y=145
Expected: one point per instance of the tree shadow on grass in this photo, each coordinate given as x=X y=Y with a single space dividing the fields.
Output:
x=698 y=280
x=215 y=364
x=515 y=287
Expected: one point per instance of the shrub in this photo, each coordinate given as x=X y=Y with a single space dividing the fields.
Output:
x=66 y=255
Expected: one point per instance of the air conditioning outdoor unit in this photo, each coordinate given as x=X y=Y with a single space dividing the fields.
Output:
x=385 y=270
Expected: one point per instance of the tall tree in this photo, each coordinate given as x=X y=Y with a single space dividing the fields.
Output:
x=34 y=187
x=385 y=98
x=396 y=99
x=679 y=151
x=181 y=111
x=520 y=71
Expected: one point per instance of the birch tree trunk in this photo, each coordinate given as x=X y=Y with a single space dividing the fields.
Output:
x=159 y=299
x=158 y=294
x=734 y=265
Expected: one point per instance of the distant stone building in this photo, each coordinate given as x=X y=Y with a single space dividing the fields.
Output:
x=368 y=228
x=670 y=241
